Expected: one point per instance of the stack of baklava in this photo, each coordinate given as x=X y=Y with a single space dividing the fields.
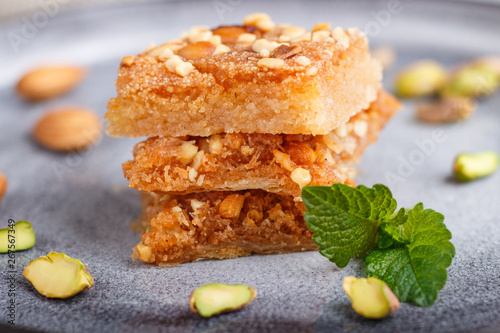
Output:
x=239 y=120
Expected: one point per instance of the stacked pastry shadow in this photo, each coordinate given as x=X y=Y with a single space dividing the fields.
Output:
x=239 y=120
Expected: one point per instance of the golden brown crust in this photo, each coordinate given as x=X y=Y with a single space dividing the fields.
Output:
x=249 y=161
x=304 y=87
x=190 y=227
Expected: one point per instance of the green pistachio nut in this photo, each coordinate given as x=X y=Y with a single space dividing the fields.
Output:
x=423 y=78
x=58 y=275
x=19 y=238
x=215 y=298
x=472 y=81
x=371 y=298
x=468 y=167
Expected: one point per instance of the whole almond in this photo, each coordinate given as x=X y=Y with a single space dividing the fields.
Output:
x=67 y=129
x=3 y=185
x=48 y=82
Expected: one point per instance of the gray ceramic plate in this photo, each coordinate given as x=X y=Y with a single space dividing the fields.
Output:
x=80 y=204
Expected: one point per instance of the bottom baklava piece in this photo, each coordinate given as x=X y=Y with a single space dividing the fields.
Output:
x=220 y=225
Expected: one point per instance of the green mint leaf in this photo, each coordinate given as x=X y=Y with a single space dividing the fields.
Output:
x=390 y=231
x=416 y=270
x=345 y=220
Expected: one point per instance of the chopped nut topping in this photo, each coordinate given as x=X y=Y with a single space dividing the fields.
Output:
x=291 y=32
x=175 y=64
x=199 y=34
x=128 y=61
x=143 y=252
x=332 y=142
x=360 y=128
x=246 y=38
x=285 y=51
x=231 y=206
x=283 y=159
x=311 y=71
x=221 y=49
x=264 y=47
x=188 y=152
x=265 y=25
x=341 y=131
x=271 y=63
x=162 y=51
x=181 y=218
x=321 y=26
x=215 y=144
x=246 y=150
x=322 y=36
x=303 y=60
x=261 y=21
x=340 y=37
x=197 y=160
x=304 y=38
x=301 y=176
x=215 y=40
x=192 y=174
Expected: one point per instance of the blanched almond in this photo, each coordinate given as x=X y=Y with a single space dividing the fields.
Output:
x=67 y=129
x=47 y=82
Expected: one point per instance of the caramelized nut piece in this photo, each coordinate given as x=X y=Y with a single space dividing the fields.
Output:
x=300 y=153
x=127 y=61
x=283 y=159
x=321 y=26
x=197 y=51
x=215 y=144
x=285 y=51
x=188 y=152
x=261 y=21
x=231 y=206
x=230 y=34
x=142 y=252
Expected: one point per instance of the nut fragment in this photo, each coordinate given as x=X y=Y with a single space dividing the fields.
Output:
x=420 y=79
x=221 y=49
x=283 y=159
x=215 y=144
x=473 y=166
x=300 y=153
x=446 y=109
x=48 y=82
x=321 y=26
x=285 y=51
x=58 y=276
x=231 y=206
x=142 y=252
x=231 y=34
x=214 y=298
x=177 y=65
x=4 y=184
x=197 y=50
x=371 y=298
x=246 y=38
x=264 y=47
x=301 y=176
x=21 y=238
x=271 y=63
x=188 y=152
x=67 y=129
x=303 y=60
x=261 y=21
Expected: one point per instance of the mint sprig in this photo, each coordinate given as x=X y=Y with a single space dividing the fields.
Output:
x=409 y=250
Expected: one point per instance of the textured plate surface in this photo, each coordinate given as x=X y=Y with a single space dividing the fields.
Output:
x=79 y=204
